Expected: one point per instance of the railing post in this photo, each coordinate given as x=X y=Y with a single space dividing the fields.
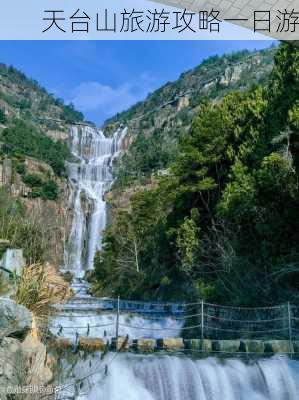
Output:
x=290 y=326
x=117 y=323
x=202 y=320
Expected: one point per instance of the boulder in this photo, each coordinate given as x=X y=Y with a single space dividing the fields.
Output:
x=252 y=346
x=15 y=319
x=91 y=344
x=226 y=346
x=145 y=345
x=296 y=346
x=170 y=344
x=37 y=361
x=24 y=363
x=121 y=344
x=11 y=363
x=204 y=345
x=62 y=344
x=278 y=346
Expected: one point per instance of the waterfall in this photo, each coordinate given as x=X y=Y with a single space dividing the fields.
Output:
x=127 y=376
x=180 y=378
x=90 y=175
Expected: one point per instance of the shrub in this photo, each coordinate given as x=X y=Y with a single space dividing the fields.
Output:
x=23 y=230
x=39 y=288
x=50 y=190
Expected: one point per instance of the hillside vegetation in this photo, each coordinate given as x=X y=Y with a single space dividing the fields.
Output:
x=156 y=125
x=33 y=131
x=221 y=223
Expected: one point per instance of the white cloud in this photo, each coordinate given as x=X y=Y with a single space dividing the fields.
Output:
x=91 y=96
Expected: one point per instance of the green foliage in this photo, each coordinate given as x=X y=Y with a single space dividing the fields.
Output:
x=69 y=114
x=45 y=189
x=32 y=99
x=50 y=190
x=188 y=243
x=23 y=230
x=23 y=139
x=223 y=222
x=158 y=123
x=2 y=117
x=146 y=154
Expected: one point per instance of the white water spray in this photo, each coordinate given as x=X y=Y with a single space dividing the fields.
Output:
x=180 y=378
x=90 y=176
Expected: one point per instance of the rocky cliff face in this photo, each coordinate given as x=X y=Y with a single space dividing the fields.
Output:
x=156 y=125
x=53 y=215
x=23 y=359
x=29 y=174
x=171 y=108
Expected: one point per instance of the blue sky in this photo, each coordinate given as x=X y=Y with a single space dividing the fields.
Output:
x=104 y=77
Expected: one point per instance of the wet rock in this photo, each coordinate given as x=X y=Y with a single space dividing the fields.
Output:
x=204 y=345
x=252 y=346
x=121 y=344
x=226 y=346
x=91 y=344
x=15 y=320
x=175 y=344
x=278 y=346
x=62 y=344
x=146 y=345
x=296 y=346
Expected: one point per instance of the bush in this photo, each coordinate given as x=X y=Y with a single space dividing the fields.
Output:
x=39 y=288
x=50 y=190
x=23 y=230
x=32 y=180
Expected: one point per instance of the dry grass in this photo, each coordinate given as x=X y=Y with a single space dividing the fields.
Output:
x=39 y=288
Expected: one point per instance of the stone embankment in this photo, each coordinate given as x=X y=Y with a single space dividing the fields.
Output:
x=206 y=346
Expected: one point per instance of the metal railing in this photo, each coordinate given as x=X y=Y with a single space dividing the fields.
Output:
x=196 y=320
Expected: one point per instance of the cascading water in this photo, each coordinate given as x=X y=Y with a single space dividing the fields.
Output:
x=181 y=378
x=90 y=176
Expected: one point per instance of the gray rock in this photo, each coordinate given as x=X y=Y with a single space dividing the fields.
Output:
x=15 y=320
x=204 y=345
x=146 y=345
x=252 y=346
x=278 y=346
x=296 y=346
x=226 y=346
x=11 y=362
x=13 y=261
x=24 y=363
